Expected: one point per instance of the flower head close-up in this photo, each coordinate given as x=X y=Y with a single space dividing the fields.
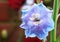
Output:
x=38 y=21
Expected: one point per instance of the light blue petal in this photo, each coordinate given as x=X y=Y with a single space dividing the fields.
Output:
x=23 y=25
x=25 y=9
x=28 y=33
x=44 y=8
x=43 y=36
x=30 y=23
x=41 y=5
x=50 y=26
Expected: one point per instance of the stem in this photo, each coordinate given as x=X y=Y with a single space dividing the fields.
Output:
x=55 y=13
x=43 y=40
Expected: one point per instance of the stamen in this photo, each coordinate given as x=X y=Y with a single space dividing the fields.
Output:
x=36 y=19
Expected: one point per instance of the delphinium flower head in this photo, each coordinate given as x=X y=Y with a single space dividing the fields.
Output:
x=37 y=22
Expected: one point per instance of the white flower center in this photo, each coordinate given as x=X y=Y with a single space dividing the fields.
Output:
x=35 y=18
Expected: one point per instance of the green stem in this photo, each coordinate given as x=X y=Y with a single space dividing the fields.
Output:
x=55 y=13
x=43 y=40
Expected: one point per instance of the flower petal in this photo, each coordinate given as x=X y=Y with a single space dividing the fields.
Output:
x=44 y=24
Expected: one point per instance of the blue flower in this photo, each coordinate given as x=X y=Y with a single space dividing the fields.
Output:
x=37 y=22
x=26 y=8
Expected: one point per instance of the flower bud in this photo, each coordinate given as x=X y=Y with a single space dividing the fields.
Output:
x=29 y=2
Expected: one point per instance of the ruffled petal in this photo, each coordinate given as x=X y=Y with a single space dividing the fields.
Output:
x=39 y=27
